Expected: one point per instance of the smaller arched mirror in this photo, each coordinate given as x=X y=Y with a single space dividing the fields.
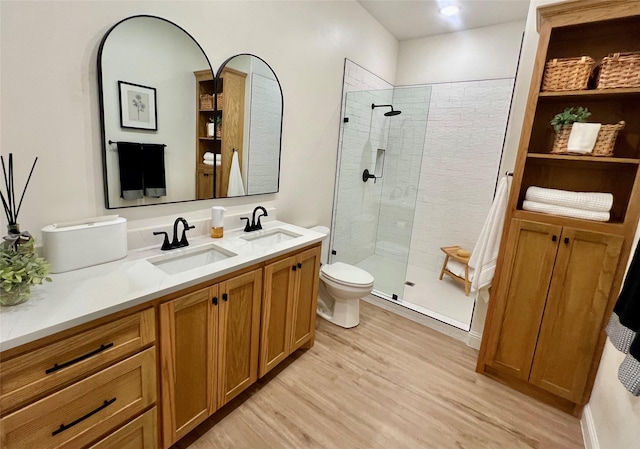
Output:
x=248 y=113
x=171 y=128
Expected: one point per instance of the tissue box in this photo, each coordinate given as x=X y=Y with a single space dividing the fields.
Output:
x=81 y=244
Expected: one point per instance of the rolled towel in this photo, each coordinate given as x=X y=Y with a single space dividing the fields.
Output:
x=209 y=156
x=583 y=137
x=553 y=209
x=591 y=201
x=218 y=162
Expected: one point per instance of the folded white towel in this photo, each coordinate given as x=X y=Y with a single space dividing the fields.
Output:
x=553 y=209
x=593 y=201
x=218 y=162
x=583 y=137
x=209 y=156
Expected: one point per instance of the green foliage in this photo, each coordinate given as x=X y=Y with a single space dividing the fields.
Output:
x=569 y=116
x=21 y=265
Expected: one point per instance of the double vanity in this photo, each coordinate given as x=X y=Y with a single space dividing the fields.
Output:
x=138 y=352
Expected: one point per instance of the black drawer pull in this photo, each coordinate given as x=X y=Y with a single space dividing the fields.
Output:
x=554 y=238
x=64 y=427
x=214 y=300
x=299 y=266
x=566 y=240
x=225 y=297
x=57 y=367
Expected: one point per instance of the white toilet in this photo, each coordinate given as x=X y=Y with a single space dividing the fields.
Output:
x=341 y=287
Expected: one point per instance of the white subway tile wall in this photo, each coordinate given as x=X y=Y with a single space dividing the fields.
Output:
x=264 y=136
x=465 y=133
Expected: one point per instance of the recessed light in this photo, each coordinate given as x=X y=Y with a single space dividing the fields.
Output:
x=450 y=10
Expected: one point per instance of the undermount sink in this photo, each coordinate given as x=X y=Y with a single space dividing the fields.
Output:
x=270 y=237
x=191 y=258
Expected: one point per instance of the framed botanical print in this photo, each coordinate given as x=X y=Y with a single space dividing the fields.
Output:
x=137 y=106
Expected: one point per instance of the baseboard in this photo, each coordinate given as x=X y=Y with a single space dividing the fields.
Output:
x=589 y=429
x=474 y=340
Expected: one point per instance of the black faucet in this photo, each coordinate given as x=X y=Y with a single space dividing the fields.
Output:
x=255 y=225
x=175 y=243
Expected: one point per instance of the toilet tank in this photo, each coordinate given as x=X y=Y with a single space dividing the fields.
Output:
x=75 y=245
x=324 y=255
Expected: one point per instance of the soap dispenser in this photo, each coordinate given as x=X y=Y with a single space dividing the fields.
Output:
x=217 y=222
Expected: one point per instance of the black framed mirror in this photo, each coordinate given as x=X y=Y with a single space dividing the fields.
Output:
x=159 y=106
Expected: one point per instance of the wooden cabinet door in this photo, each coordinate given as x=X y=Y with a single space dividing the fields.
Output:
x=188 y=341
x=306 y=298
x=239 y=332
x=232 y=121
x=204 y=183
x=277 y=305
x=574 y=314
x=529 y=259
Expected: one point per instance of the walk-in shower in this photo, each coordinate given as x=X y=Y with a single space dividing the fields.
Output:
x=432 y=153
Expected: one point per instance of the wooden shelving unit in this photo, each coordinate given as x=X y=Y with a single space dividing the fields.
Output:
x=557 y=278
x=205 y=176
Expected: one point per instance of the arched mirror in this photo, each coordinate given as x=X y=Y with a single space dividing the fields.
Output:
x=159 y=113
x=249 y=114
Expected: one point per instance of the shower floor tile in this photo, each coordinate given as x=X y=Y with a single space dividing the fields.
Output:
x=443 y=300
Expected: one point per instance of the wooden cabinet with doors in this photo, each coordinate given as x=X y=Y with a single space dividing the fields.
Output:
x=552 y=307
x=209 y=351
x=289 y=306
x=557 y=278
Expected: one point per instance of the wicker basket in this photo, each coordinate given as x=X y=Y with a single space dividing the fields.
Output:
x=567 y=74
x=620 y=70
x=604 y=143
x=219 y=101
x=206 y=101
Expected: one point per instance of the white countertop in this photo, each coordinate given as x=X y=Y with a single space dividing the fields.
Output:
x=79 y=296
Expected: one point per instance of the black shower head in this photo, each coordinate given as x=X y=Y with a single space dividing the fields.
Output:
x=391 y=113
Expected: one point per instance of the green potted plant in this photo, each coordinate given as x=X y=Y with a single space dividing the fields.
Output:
x=20 y=266
x=562 y=123
x=569 y=116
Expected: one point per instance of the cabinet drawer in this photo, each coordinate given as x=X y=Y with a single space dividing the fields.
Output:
x=33 y=375
x=141 y=433
x=86 y=410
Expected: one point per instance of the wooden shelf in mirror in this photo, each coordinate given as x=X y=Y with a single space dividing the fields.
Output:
x=577 y=158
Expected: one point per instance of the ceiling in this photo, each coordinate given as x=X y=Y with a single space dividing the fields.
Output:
x=410 y=19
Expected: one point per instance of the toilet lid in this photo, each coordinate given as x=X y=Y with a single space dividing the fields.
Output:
x=347 y=274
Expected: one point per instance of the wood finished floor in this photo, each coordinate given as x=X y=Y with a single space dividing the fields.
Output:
x=388 y=383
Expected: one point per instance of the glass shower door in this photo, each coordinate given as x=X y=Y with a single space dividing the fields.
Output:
x=374 y=215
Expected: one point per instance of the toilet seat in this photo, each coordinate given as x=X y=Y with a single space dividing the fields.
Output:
x=347 y=275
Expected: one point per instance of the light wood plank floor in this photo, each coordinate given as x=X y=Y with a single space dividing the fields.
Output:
x=388 y=383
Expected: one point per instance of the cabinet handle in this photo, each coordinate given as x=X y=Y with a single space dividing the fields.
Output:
x=57 y=367
x=293 y=268
x=214 y=300
x=299 y=266
x=225 y=297
x=554 y=238
x=64 y=427
x=566 y=240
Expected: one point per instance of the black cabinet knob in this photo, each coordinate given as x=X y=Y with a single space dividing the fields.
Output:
x=299 y=266
x=214 y=300
x=566 y=240
x=293 y=268
x=225 y=297
x=554 y=238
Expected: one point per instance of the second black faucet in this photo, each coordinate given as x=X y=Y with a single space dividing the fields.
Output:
x=255 y=225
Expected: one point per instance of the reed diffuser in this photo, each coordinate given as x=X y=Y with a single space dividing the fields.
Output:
x=20 y=267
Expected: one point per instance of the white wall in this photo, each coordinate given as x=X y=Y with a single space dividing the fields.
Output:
x=49 y=93
x=477 y=54
x=611 y=419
